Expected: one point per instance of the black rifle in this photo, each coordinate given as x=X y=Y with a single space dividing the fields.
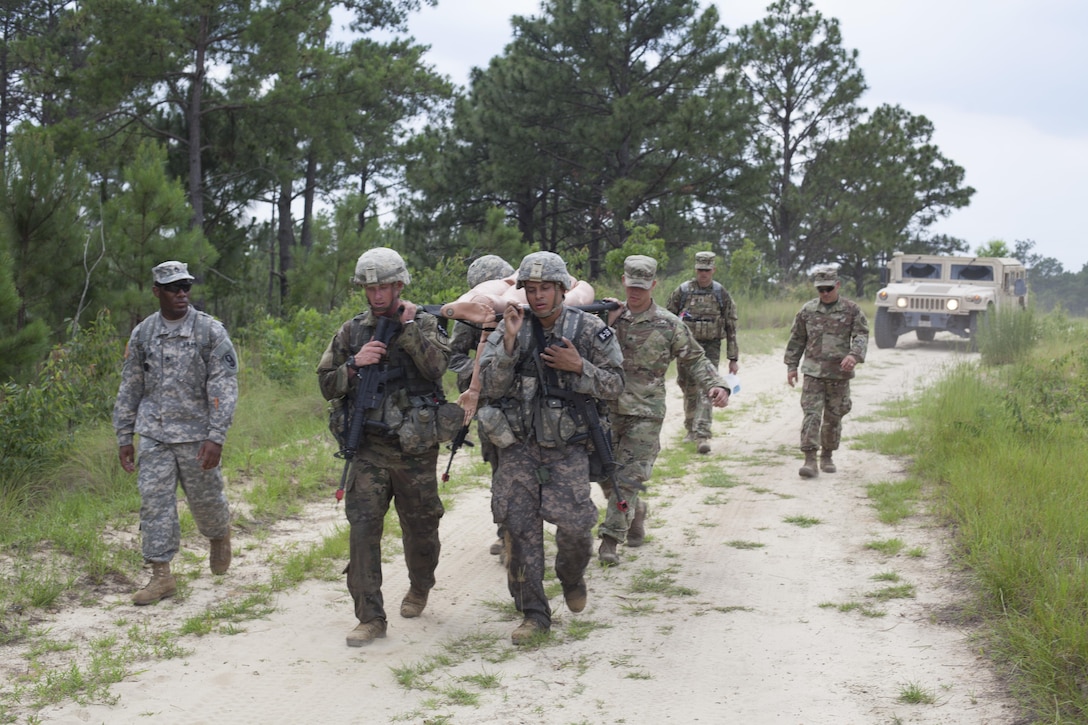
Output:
x=585 y=410
x=455 y=445
x=369 y=392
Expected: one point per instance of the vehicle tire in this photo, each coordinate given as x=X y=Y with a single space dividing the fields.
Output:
x=885 y=328
x=925 y=334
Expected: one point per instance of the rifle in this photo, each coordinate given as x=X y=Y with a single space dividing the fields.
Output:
x=455 y=445
x=585 y=408
x=369 y=392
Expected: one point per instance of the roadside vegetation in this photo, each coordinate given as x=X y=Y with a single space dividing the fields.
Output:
x=1000 y=449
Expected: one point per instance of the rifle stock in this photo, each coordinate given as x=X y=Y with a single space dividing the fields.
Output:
x=455 y=445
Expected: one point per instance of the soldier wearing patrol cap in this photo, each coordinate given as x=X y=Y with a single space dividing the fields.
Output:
x=708 y=311
x=650 y=338
x=179 y=387
x=398 y=459
x=543 y=472
x=832 y=335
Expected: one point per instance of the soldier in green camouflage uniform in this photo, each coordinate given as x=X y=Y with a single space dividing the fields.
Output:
x=541 y=476
x=463 y=344
x=708 y=311
x=398 y=458
x=650 y=338
x=832 y=334
x=179 y=387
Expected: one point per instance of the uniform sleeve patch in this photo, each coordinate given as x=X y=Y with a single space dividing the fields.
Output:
x=605 y=335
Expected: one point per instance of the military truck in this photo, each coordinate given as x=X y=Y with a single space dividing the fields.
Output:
x=927 y=293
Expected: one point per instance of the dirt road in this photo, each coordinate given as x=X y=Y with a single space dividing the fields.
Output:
x=735 y=611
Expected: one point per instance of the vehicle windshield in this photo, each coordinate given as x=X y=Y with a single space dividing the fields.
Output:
x=973 y=272
x=922 y=271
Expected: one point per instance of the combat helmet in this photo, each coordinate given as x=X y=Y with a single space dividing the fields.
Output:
x=381 y=265
x=488 y=267
x=543 y=267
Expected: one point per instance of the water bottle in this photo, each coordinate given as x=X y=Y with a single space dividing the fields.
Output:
x=733 y=382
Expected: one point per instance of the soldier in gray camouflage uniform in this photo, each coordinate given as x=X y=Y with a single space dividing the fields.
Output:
x=832 y=334
x=398 y=457
x=650 y=338
x=463 y=343
x=179 y=387
x=541 y=476
x=709 y=312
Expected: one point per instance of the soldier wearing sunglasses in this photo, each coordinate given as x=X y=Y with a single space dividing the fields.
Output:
x=179 y=387
x=832 y=335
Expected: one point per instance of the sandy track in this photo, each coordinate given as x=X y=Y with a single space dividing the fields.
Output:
x=734 y=633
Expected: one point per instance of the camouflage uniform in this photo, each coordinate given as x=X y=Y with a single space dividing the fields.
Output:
x=179 y=388
x=825 y=334
x=465 y=340
x=541 y=477
x=391 y=465
x=649 y=341
x=709 y=322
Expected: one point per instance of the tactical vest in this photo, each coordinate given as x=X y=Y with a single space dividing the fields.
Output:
x=703 y=310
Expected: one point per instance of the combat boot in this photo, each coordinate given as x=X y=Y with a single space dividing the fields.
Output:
x=496 y=548
x=526 y=631
x=703 y=445
x=826 y=464
x=219 y=559
x=413 y=603
x=366 y=632
x=161 y=586
x=636 y=534
x=809 y=470
x=607 y=553
x=575 y=596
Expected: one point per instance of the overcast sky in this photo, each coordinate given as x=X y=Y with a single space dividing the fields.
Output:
x=1005 y=83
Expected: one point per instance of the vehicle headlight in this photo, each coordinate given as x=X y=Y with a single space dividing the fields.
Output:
x=975 y=299
x=901 y=302
x=882 y=295
x=952 y=305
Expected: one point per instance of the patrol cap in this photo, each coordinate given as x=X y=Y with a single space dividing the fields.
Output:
x=825 y=277
x=168 y=272
x=704 y=260
x=639 y=271
x=488 y=267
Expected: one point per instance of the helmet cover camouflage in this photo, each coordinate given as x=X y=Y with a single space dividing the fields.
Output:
x=488 y=267
x=544 y=267
x=380 y=265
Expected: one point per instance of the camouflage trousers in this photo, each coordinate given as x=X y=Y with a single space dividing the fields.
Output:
x=698 y=411
x=162 y=467
x=412 y=485
x=533 y=485
x=824 y=402
x=636 y=441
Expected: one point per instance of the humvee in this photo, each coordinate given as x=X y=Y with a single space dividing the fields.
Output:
x=928 y=293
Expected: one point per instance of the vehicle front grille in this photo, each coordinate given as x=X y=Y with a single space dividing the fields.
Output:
x=925 y=303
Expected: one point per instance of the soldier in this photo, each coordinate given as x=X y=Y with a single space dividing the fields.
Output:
x=708 y=311
x=832 y=334
x=398 y=458
x=650 y=337
x=465 y=339
x=179 y=387
x=543 y=472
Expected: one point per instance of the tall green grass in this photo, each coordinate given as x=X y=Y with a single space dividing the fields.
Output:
x=1005 y=448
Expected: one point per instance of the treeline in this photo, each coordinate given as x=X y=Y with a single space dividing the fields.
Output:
x=269 y=142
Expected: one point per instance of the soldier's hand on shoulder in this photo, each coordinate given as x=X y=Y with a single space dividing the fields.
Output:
x=408 y=311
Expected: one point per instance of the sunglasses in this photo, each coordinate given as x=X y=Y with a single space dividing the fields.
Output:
x=175 y=287
x=824 y=290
